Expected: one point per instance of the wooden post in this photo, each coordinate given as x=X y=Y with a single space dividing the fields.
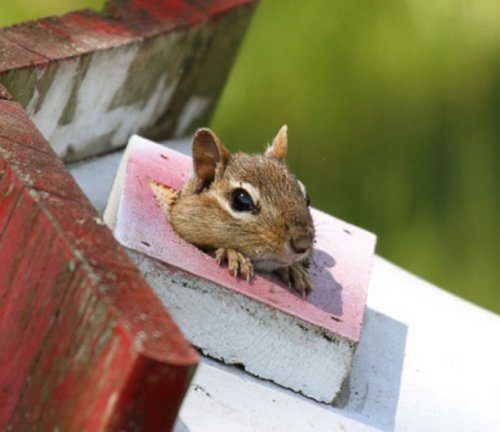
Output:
x=84 y=342
x=90 y=80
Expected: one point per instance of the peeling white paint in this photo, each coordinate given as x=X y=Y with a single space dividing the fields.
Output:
x=93 y=119
x=193 y=109
x=134 y=117
x=30 y=108
x=56 y=98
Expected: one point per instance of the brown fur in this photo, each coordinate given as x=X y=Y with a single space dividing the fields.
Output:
x=200 y=217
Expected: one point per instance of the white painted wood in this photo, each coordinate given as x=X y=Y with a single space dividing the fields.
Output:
x=97 y=125
x=194 y=108
x=223 y=398
x=427 y=361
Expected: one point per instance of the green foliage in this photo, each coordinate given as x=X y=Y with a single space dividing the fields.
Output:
x=23 y=10
x=394 y=116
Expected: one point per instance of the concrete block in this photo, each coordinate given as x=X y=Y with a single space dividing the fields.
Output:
x=305 y=345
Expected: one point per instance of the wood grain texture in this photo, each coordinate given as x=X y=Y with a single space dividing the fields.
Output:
x=89 y=81
x=84 y=342
x=4 y=94
x=153 y=16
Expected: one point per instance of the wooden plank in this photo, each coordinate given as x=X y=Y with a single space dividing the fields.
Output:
x=73 y=34
x=84 y=342
x=89 y=81
x=91 y=29
x=43 y=40
x=152 y=16
x=13 y=56
x=17 y=130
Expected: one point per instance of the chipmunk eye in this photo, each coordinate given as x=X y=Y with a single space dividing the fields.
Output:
x=308 y=200
x=242 y=201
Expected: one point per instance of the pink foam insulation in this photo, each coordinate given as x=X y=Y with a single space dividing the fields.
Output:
x=342 y=256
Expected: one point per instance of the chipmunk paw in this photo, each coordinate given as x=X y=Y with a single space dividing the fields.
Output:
x=237 y=263
x=297 y=277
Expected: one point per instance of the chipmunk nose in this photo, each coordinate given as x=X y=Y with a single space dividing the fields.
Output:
x=301 y=243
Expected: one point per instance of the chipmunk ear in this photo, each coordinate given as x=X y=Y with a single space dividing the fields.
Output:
x=278 y=148
x=209 y=155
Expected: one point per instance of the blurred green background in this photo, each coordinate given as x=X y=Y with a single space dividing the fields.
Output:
x=394 y=116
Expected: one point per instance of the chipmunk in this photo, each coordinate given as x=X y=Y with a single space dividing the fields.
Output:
x=248 y=210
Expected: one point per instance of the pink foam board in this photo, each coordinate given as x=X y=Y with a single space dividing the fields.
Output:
x=342 y=255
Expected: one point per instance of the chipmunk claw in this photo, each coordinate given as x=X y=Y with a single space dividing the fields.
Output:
x=284 y=275
x=297 y=277
x=237 y=263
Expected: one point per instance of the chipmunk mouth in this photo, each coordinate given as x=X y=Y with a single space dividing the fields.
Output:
x=273 y=262
x=269 y=265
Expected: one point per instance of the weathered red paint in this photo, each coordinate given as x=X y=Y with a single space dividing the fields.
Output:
x=12 y=56
x=19 y=131
x=39 y=39
x=151 y=16
x=84 y=342
x=71 y=35
x=125 y=21
x=92 y=29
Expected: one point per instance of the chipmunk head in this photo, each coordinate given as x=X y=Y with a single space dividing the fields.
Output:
x=251 y=203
